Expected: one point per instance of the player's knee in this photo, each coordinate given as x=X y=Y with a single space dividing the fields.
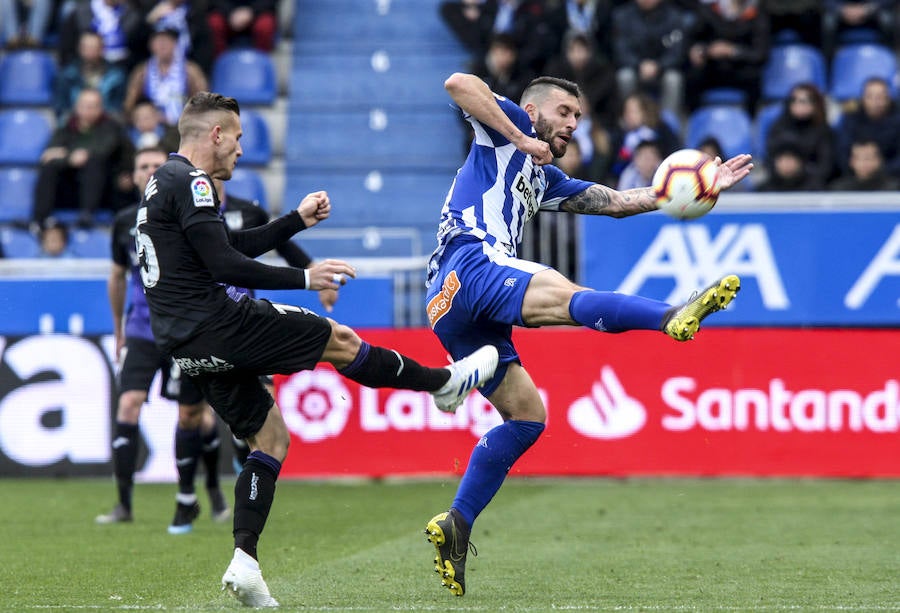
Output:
x=130 y=403
x=342 y=347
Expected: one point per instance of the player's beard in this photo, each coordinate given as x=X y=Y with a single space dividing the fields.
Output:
x=545 y=133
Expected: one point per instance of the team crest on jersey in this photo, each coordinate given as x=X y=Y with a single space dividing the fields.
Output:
x=201 y=190
x=440 y=304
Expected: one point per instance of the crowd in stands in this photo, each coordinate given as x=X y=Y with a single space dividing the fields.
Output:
x=647 y=66
x=122 y=70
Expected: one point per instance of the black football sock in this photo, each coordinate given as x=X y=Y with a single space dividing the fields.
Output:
x=380 y=367
x=124 y=452
x=254 y=491
x=211 y=445
x=188 y=447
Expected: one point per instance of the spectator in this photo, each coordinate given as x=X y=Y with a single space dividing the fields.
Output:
x=592 y=18
x=82 y=163
x=53 y=238
x=639 y=120
x=871 y=20
x=877 y=119
x=117 y=22
x=579 y=62
x=649 y=52
x=229 y=19
x=867 y=171
x=472 y=22
x=190 y=18
x=25 y=23
x=501 y=68
x=92 y=70
x=147 y=128
x=727 y=47
x=168 y=78
x=645 y=159
x=788 y=172
x=803 y=124
x=797 y=21
x=536 y=27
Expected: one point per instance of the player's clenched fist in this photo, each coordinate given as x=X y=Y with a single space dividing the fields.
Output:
x=314 y=208
x=329 y=274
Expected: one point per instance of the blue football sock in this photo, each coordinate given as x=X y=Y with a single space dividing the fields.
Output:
x=614 y=312
x=489 y=463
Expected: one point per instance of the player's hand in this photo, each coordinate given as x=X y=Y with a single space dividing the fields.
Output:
x=537 y=149
x=328 y=297
x=314 y=208
x=329 y=274
x=734 y=170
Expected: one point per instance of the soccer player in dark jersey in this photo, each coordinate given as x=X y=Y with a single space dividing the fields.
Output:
x=196 y=435
x=225 y=340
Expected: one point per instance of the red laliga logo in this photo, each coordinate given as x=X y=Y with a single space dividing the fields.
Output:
x=315 y=404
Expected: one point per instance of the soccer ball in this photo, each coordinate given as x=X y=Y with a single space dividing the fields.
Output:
x=686 y=185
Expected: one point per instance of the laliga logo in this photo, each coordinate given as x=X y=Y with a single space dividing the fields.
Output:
x=608 y=413
x=315 y=404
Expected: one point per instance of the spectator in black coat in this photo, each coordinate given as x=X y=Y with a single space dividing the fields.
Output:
x=472 y=22
x=867 y=171
x=876 y=119
x=595 y=75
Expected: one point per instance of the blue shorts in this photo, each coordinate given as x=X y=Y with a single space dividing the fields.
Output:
x=476 y=299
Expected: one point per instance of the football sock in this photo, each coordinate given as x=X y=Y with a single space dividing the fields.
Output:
x=240 y=448
x=489 y=463
x=124 y=452
x=210 y=447
x=188 y=447
x=380 y=367
x=253 y=494
x=614 y=312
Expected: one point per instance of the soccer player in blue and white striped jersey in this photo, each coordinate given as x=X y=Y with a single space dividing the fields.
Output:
x=479 y=289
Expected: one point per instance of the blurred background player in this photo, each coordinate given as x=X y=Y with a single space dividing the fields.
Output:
x=196 y=435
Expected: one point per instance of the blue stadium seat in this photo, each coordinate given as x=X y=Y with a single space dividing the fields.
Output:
x=255 y=142
x=16 y=193
x=852 y=65
x=352 y=139
x=18 y=243
x=789 y=65
x=729 y=124
x=246 y=183
x=368 y=241
x=27 y=78
x=247 y=75
x=23 y=135
x=722 y=95
x=92 y=243
x=762 y=123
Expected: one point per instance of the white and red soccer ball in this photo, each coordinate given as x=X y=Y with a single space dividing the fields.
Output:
x=686 y=185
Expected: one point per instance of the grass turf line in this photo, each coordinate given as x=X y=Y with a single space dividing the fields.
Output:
x=592 y=544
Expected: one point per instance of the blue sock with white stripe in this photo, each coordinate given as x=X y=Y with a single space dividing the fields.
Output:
x=490 y=462
x=614 y=312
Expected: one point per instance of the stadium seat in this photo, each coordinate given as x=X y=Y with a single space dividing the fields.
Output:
x=729 y=124
x=722 y=95
x=255 y=142
x=92 y=243
x=246 y=183
x=852 y=65
x=27 y=78
x=16 y=193
x=247 y=75
x=765 y=117
x=18 y=243
x=23 y=135
x=789 y=65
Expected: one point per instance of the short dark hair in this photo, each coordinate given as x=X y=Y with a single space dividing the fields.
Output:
x=150 y=149
x=539 y=87
x=190 y=124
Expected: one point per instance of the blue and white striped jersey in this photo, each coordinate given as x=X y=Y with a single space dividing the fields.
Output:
x=499 y=189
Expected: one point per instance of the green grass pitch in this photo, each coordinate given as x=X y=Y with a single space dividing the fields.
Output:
x=544 y=545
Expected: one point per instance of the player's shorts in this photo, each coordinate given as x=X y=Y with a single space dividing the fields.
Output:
x=476 y=299
x=142 y=359
x=227 y=360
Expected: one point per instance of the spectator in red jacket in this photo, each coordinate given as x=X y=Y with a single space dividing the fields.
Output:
x=230 y=19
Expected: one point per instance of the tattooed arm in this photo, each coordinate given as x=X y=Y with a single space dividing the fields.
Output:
x=602 y=200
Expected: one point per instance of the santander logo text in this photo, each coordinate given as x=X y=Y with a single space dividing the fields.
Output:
x=780 y=409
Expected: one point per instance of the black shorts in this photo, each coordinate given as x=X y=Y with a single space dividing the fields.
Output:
x=142 y=359
x=226 y=361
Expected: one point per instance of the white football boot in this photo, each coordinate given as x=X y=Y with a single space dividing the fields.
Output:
x=465 y=375
x=244 y=581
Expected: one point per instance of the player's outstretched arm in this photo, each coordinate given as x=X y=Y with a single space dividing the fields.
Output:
x=314 y=208
x=602 y=200
x=734 y=170
x=329 y=274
